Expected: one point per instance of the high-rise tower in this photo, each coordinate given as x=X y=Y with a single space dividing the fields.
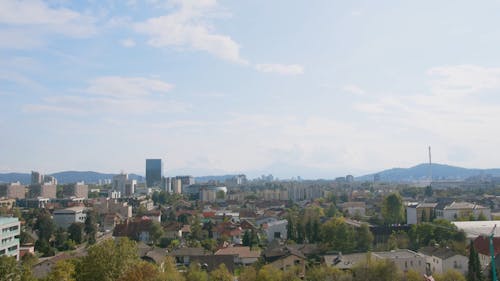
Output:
x=154 y=172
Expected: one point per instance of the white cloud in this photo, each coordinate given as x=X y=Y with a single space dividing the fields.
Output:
x=353 y=89
x=126 y=87
x=27 y=22
x=188 y=26
x=113 y=95
x=128 y=43
x=463 y=79
x=283 y=69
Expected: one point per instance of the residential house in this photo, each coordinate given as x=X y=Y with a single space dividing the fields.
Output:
x=457 y=210
x=354 y=208
x=440 y=260
x=416 y=213
x=242 y=255
x=285 y=258
x=276 y=230
x=482 y=246
x=404 y=259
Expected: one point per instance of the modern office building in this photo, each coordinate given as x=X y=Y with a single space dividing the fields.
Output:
x=154 y=172
x=9 y=233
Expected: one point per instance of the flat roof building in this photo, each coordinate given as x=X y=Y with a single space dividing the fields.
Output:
x=154 y=172
x=9 y=233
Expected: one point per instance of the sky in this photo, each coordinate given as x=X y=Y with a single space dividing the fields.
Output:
x=317 y=89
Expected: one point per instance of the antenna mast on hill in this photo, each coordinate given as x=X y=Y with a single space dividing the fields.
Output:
x=430 y=166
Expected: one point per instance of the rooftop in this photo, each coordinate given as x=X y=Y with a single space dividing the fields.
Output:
x=6 y=220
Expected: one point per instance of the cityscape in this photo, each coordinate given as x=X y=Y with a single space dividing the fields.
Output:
x=218 y=140
x=231 y=227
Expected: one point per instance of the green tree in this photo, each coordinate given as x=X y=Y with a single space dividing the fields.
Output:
x=195 y=273
x=450 y=275
x=337 y=235
x=269 y=273
x=221 y=274
x=248 y=273
x=107 y=261
x=75 y=231
x=393 y=209
x=327 y=273
x=155 y=232
x=63 y=270
x=246 y=240
x=474 y=269
x=170 y=272
x=376 y=270
x=364 y=238
x=45 y=226
x=482 y=217
x=141 y=271
x=91 y=227
x=9 y=270
x=412 y=275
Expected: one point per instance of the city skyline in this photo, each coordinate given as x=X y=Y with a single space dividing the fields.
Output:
x=223 y=87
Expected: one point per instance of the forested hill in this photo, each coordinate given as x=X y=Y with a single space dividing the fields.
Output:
x=422 y=172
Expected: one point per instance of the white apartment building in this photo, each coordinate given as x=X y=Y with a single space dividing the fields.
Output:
x=9 y=231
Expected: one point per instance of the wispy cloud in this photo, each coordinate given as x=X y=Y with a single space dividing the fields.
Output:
x=189 y=27
x=353 y=89
x=127 y=87
x=463 y=79
x=113 y=95
x=128 y=42
x=27 y=22
x=283 y=69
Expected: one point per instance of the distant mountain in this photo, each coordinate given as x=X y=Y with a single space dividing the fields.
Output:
x=14 y=177
x=66 y=177
x=421 y=172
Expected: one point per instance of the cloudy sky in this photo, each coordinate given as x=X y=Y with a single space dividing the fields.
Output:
x=310 y=88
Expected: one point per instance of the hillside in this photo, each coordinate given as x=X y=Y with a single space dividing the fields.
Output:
x=421 y=172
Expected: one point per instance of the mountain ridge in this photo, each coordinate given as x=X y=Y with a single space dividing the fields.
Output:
x=422 y=172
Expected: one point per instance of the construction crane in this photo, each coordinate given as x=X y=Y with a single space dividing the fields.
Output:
x=492 y=253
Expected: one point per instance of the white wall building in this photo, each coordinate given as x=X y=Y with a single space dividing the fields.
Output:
x=276 y=230
x=440 y=260
x=65 y=217
x=9 y=231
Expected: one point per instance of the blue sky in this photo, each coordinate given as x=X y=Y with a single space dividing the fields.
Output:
x=309 y=88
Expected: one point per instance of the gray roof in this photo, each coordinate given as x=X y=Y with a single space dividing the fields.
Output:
x=442 y=253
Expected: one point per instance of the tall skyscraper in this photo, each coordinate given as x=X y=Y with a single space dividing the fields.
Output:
x=154 y=172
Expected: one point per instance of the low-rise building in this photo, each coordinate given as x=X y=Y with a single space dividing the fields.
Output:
x=9 y=233
x=276 y=230
x=440 y=260
x=404 y=259
x=354 y=208
x=65 y=217
x=419 y=212
x=242 y=255
x=457 y=210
